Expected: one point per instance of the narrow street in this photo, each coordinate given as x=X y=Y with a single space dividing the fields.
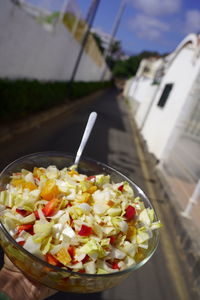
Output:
x=114 y=141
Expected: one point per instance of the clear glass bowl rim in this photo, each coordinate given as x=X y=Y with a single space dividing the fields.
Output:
x=58 y=269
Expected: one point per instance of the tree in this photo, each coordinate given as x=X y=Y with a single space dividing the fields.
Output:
x=98 y=41
x=115 y=49
x=128 y=68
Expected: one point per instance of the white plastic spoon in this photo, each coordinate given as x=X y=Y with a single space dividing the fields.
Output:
x=86 y=134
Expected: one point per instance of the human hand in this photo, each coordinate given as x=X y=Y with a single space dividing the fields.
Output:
x=14 y=284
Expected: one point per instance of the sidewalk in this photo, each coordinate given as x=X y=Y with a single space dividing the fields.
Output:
x=178 y=191
x=185 y=190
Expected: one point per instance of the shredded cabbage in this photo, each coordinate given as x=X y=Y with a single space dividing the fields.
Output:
x=87 y=224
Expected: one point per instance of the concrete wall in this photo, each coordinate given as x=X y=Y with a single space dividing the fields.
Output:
x=161 y=122
x=27 y=50
x=148 y=94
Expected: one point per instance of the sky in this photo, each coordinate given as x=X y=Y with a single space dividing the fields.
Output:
x=154 y=25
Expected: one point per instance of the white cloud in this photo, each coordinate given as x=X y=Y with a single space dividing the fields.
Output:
x=192 y=23
x=157 y=7
x=148 y=27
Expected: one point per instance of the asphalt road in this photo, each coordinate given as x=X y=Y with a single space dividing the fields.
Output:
x=165 y=276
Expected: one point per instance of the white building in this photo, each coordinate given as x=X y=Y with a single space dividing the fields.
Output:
x=140 y=89
x=169 y=120
x=175 y=99
x=162 y=95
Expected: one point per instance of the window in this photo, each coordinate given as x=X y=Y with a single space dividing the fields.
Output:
x=165 y=94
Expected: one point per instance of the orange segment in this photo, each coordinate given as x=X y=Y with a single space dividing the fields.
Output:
x=17 y=182
x=37 y=172
x=29 y=185
x=63 y=256
x=24 y=184
x=72 y=172
x=92 y=189
x=51 y=259
x=111 y=203
x=49 y=190
x=85 y=197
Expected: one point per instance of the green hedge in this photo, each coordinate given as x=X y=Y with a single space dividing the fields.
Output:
x=19 y=98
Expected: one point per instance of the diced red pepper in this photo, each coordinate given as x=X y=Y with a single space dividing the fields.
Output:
x=36 y=215
x=121 y=187
x=85 y=230
x=52 y=260
x=130 y=212
x=21 y=243
x=86 y=258
x=115 y=266
x=27 y=227
x=112 y=239
x=22 y=212
x=71 y=251
x=73 y=262
x=90 y=177
x=51 y=207
x=81 y=271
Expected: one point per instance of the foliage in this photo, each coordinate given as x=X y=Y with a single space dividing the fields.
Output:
x=98 y=41
x=19 y=98
x=127 y=68
x=50 y=19
x=115 y=49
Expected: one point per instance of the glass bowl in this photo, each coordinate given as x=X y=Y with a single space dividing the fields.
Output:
x=54 y=277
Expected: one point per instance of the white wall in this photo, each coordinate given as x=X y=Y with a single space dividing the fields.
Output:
x=142 y=89
x=27 y=50
x=159 y=126
x=148 y=93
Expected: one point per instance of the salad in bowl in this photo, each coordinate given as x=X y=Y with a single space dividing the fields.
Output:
x=79 y=230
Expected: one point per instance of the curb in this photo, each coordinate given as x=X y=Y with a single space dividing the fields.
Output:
x=10 y=131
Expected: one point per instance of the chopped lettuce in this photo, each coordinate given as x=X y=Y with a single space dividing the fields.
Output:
x=93 y=247
x=86 y=224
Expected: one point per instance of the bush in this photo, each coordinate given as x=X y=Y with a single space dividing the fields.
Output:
x=19 y=98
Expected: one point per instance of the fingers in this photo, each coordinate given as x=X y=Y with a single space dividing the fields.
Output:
x=28 y=287
x=37 y=290
x=9 y=265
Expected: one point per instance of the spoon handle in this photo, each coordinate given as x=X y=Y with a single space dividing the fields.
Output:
x=88 y=129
